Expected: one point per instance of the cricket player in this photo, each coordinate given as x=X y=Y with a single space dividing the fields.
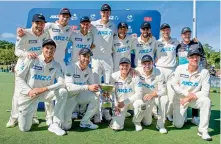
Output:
x=154 y=87
x=27 y=46
x=192 y=86
x=81 y=39
x=81 y=90
x=122 y=45
x=166 y=61
x=182 y=50
x=61 y=33
x=36 y=79
x=128 y=93
x=103 y=31
x=145 y=44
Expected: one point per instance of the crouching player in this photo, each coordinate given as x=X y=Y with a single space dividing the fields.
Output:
x=81 y=90
x=128 y=92
x=154 y=89
x=192 y=86
x=36 y=79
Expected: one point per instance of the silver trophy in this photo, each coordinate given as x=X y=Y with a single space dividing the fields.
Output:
x=109 y=91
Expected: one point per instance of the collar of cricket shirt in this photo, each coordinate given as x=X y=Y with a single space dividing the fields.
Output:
x=197 y=71
x=78 y=65
x=148 y=42
x=63 y=27
x=163 y=41
x=105 y=25
x=42 y=58
x=151 y=75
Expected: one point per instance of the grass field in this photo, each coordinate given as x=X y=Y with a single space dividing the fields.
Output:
x=104 y=135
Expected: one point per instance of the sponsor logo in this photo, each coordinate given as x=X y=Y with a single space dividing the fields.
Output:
x=82 y=46
x=118 y=83
x=99 y=26
x=78 y=39
x=74 y=17
x=139 y=45
x=120 y=50
x=130 y=30
x=145 y=51
x=129 y=18
x=124 y=90
x=92 y=17
x=56 y=30
x=37 y=67
x=32 y=41
x=74 y=27
x=41 y=77
x=184 y=75
x=80 y=83
x=147 y=18
x=160 y=45
x=113 y=18
x=104 y=33
x=148 y=86
x=34 y=49
x=61 y=38
x=68 y=74
x=167 y=49
x=76 y=76
x=188 y=83
x=53 y=17
x=117 y=44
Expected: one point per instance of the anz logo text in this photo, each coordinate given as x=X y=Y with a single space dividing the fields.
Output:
x=104 y=33
x=148 y=86
x=60 y=38
x=125 y=90
x=120 y=50
x=35 y=49
x=41 y=77
x=167 y=49
x=80 y=83
x=145 y=51
x=82 y=46
x=188 y=83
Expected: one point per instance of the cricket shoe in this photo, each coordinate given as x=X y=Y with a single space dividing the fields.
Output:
x=11 y=123
x=89 y=125
x=205 y=136
x=55 y=128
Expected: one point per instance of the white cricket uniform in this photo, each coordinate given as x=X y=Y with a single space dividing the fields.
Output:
x=166 y=63
x=129 y=91
x=141 y=48
x=80 y=41
x=61 y=36
x=35 y=73
x=102 y=60
x=198 y=83
x=77 y=82
x=28 y=43
x=121 y=48
x=154 y=82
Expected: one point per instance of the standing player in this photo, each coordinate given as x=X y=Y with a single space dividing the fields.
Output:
x=61 y=33
x=182 y=50
x=128 y=90
x=27 y=46
x=81 y=89
x=36 y=79
x=145 y=44
x=122 y=45
x=102 y=61
x=154 y=92
x=166 y=61
x=192 y=86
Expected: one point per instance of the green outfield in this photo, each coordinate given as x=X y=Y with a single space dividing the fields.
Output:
x=104 y=135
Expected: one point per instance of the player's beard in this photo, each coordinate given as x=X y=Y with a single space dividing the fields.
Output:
x=122 y=35
x=146 y=35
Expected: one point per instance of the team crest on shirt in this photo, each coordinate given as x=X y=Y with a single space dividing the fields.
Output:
x=50 y=69
x=85 y=75
x=127 y=41
x=56 y=30
x=142 y=78
x=67 y=29
x=88 y=39
x=172 y=42
x=32 y=41
x=150 y=43
x=43 y=39
x=110 y=26
x=184 y=75
x=152 y=79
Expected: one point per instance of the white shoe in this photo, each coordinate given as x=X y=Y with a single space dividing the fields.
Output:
x=170 y=118
x=162 y=130
x=128 y=114
x=106 y=114
x=74 y=115
x=138 y=127
x=195 y=120
x=55 y=128
x=97 y=119
x=35 y=121
x=205 y=136
x=49 y=121
x=89 y=125
x=11 y=123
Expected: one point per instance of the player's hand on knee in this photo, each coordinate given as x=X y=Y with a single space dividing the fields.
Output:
x=20 y=32
x=93 y=87
x=184 y=101
x=32 y=55
x=92 y=46
x=40 y=90
x=121 y=104
x=117 y=110
x=32 y=93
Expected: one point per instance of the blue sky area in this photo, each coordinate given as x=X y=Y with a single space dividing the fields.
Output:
x=177 y=14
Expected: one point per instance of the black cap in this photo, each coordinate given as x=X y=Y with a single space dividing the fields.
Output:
x=85 y=19
x=124 y=60
x=146 y=58
x=38 y=18
x=122 y=24
x=165 y=25
x=185 y=29
x=48 y=42
x=105 y=7
x=85 y=51
x=145 y=25
x=194 y=52
x=65 y=11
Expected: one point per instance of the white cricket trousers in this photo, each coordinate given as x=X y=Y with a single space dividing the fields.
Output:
x=84 y=98
x=27 y=107
x=180 y=112
x=117 y=122
x=168 y=72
